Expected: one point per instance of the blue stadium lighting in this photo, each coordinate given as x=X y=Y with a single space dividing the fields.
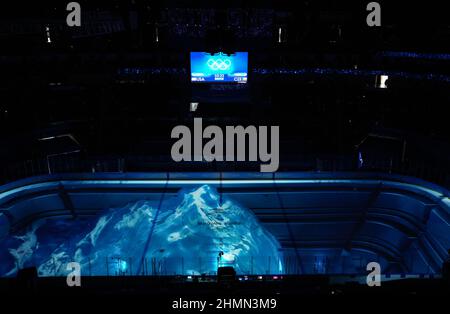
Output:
x=214 y=182
x=353 y=72
x=415 y=55
x=289 y=71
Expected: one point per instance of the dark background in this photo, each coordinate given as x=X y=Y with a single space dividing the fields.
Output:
x=105 y=96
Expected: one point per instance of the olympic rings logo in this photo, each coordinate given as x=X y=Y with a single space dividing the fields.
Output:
x=219 y=64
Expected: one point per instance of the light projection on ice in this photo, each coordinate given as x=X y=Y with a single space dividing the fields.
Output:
x=180 y=235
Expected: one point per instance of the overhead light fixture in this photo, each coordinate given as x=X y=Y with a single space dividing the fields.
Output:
x=282 y=34
x=47 y=32
x=193 y=106
x=380 y=81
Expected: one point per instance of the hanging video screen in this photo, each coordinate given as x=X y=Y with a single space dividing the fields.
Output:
x=219 y=67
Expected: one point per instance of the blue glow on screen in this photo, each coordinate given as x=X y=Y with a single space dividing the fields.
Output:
x=219 y=67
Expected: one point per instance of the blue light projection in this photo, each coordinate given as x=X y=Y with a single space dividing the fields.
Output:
x=190 y=231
